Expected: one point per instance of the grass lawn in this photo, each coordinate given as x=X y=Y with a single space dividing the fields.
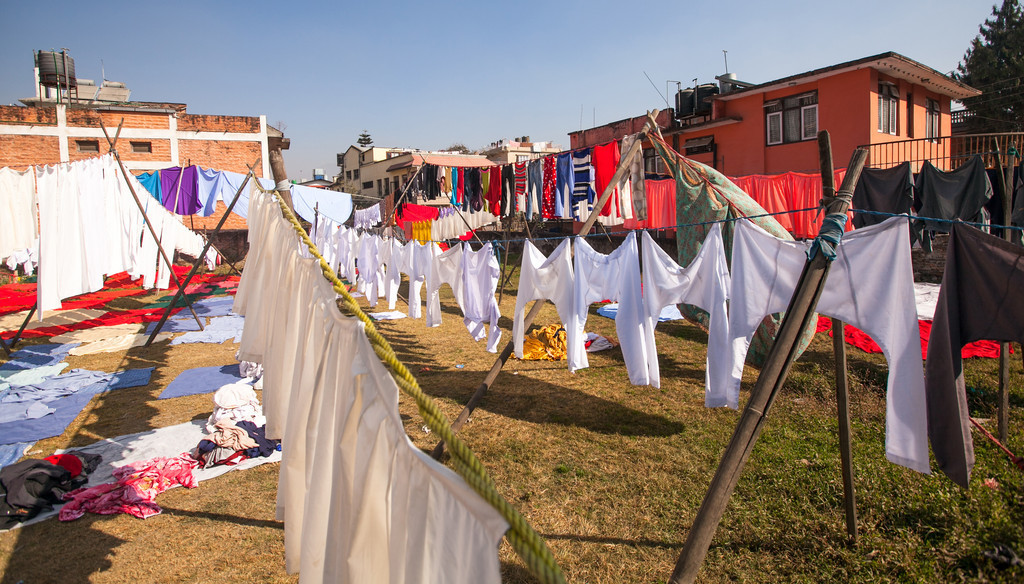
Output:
x=611 y=475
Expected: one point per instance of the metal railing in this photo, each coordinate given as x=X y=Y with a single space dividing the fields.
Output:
x=947 y=152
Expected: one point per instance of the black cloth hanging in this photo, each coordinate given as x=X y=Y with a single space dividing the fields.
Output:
x=958 y=194
x=886 y=190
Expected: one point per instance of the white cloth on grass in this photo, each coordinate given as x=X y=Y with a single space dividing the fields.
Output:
x=870 y=286
x=704 y=283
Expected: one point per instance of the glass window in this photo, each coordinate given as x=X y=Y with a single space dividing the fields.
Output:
x=87 y=145
x=931 y=124
x=888 y=108
x=791 y=119
x=142 y=147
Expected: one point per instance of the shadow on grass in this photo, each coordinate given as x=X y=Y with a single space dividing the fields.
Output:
x=224 y=517
x=67 y=564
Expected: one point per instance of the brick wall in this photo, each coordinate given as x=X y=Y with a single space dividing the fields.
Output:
x=219 y=155
x=87 y=118
x=204 y=123
x=28 y=115
x=21 y=152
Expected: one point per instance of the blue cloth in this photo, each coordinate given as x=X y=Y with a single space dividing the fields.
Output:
x=37 y=355
x=202 y=380
x=221 y=185
x=10 y=453
x=66 y=409
x=219 y=330
x=217 y=306
x=175 y=325
x=334 y=205
x=583 y=180
x=151 y=180
x=564 y=180
x=670 y=312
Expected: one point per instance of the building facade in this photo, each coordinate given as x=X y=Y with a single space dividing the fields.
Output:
x=769 y=128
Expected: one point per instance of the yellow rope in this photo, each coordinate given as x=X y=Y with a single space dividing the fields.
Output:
x=524 y=540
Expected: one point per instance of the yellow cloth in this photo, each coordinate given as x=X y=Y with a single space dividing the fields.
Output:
x=545 y=344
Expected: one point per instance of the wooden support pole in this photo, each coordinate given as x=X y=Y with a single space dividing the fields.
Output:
x=21 y=329
x=1003 y=411
x=145 y=218
x=195 y=267
x=828 y=187
x=773 y=375
x=499 y=363
x=275 y=148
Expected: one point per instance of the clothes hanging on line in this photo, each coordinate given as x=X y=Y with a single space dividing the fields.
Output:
x=957 y=194
x=886 y=190
x=180 y=189
x=583 y=183
x=473 y=277
x=370 y=270
x=368 y=217
x=659 y=206
x=870 y=285
x=310 y=202
x=704 y=283
x=788 y=191
x=17 y=211
x=638 y=197
x=548 y=278
x=564 y=185
x=979 y=299
x=151 y=180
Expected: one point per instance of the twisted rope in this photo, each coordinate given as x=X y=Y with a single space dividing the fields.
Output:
x=524 y=540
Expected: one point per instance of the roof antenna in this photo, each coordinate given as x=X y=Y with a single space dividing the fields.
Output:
x=103 y=71
x=656 y=89
x=725 y=55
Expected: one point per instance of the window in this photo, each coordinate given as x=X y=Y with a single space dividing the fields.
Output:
x=792 y=119
x=522 y=157
x=88 y=145
x=931 y=120
x=348 y=175
x=380 y=189
x=355 y=174
x=387 y=187
x=142 y=147
x=368 y=185
x=910 y=115
x=653 y=164
x=888 y=108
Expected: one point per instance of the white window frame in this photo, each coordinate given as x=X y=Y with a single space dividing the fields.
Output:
x=804 y=134
x=888 y=109
x=774 y=120
x=933 y=119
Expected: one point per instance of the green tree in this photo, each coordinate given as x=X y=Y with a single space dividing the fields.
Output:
x=459 y=147
x=365 y=139
x=994 y=63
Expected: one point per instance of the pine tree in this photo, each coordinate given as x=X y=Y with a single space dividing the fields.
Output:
x=994 y=63
x=365 y=139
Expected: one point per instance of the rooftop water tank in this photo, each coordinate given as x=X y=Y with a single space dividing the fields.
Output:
x=704 y=92
x=56 y=69
x=684 y=103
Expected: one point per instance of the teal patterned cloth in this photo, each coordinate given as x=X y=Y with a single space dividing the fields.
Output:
x=704 y=195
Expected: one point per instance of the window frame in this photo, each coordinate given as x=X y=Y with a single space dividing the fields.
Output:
x=141 y=147
x=888 y=116
x=775 y=118
x=933 y=119
x=91 y=146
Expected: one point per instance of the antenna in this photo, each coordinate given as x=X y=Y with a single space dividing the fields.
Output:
x=103 y=71
x=725 y=55
x=656 y=89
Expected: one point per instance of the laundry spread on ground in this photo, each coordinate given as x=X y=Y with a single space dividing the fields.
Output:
x=202 y=380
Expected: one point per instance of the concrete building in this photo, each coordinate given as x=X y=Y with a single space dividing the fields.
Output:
x=743 y=128
x=374 y=172
x=506 y=151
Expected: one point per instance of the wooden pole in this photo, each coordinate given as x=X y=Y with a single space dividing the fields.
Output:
x=275 y=148
x=145 y=218
x=195 y=266
x=773 y=375
x=499 y=363
x=1003 y=412
x=828 y=187
x=21 y=329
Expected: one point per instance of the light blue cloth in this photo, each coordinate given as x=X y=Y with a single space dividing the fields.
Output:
x=151 y=180
x=670 y=312
x=175 y=325
x=37 y=356
x=202 y=380
x=221 y=185
x=216 y=306
x=10 y=453
x=65 y=409
x=219 y=330
x=334 y=205
x=29 y=376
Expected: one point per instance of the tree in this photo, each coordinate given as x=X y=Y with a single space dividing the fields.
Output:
x=459 y=147
x=994 y=63
x=365 y=139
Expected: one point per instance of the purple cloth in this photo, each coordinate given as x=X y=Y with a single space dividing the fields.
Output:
x=180 y=189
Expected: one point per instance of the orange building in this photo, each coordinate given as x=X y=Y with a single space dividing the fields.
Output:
x=769 y=128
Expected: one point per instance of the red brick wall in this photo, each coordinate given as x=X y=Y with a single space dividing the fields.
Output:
x=219 y=155
x=91 y=119
x=20 y=152
x=201 y=123
x=28 y=115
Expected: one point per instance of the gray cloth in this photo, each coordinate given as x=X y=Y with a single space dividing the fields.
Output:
x=886 y=190
x=636 y=177
x=534 y=187
x=958 y=194
x=979 y=299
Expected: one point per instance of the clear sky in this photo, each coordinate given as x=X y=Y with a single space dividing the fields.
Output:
x=431 y=74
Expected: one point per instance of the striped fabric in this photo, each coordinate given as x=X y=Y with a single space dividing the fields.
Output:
x=583 y=182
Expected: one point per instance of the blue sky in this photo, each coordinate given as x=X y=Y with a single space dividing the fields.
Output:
x=430 y=74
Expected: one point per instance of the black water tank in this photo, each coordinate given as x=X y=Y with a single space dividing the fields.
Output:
x=684 y=103
x=704 y=92
x=56 y=69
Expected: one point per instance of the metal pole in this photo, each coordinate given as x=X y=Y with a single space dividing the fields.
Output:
x=779 y=361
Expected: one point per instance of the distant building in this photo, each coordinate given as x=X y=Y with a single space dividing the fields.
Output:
x=521 y=149
x=374 y=172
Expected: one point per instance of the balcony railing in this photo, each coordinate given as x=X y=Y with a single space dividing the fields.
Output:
x=948 y=152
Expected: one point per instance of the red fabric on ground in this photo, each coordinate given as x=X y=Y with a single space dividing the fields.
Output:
x=110 y=318
x=857 y=338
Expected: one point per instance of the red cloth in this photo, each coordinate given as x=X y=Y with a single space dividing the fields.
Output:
x=857 y=338
x=547 y=206
x=70 y=462
x=661 y=206
x=605 y=160
x=787 y=192
x=411 y=213
x=134 y=490
x=493 y=190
